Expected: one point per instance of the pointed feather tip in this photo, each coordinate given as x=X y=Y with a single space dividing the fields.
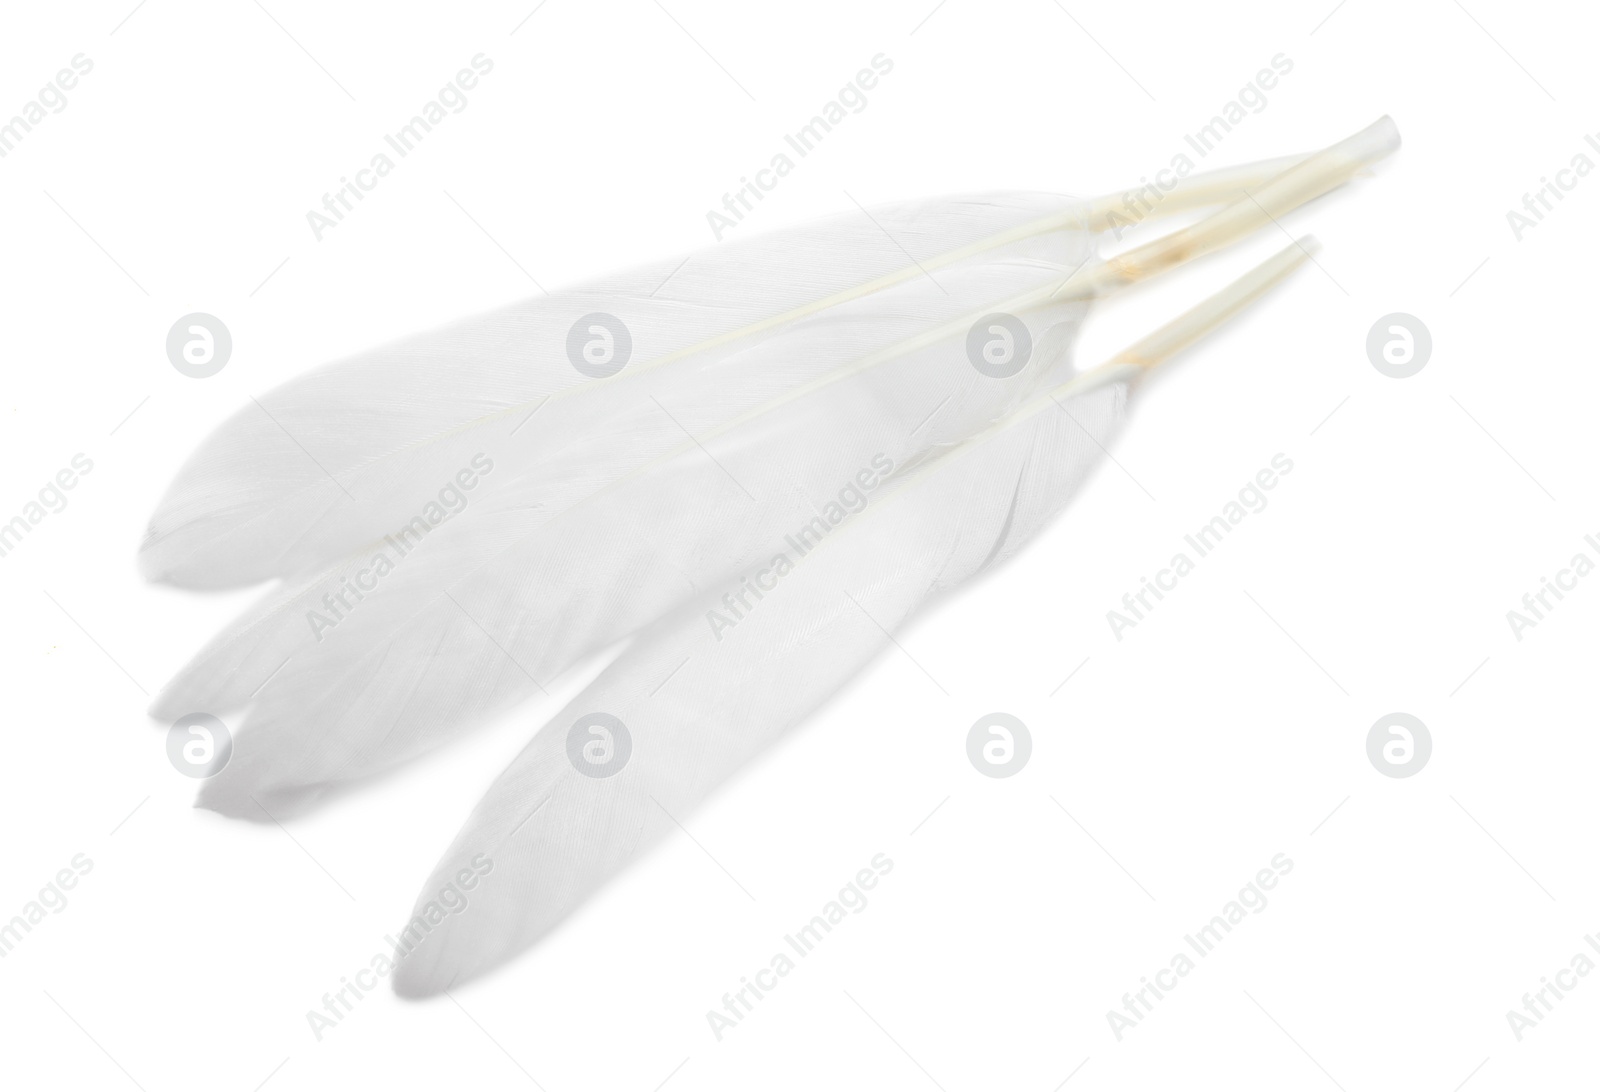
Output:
x=167 y=560
x=198 y=552
x=199 y=687
x=463 y=926
x=169 y=704
x=429 y=967
x=149 y=560
x=229 y=802
x=416 y=980
x=160 y=557
x=237 y=792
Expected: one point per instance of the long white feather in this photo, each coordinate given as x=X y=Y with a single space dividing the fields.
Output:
x=306 y=472
x=325 y=464
x=488 y=609
x=697 y=705
x=811 y=359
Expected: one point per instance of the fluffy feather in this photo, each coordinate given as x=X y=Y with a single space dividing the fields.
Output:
x=764 y=383
x=552 y=566
x=503 y=598
x=327 y=463
x=308 y=472
x=697 y=704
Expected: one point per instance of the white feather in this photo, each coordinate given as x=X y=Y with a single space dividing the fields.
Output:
x=327 y=463
x=502 y=598
x=309 y=471
x=697 y=705
x=552 y=566
x=762 y=385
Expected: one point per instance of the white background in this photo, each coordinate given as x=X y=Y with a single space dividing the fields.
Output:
x=1228 y=727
